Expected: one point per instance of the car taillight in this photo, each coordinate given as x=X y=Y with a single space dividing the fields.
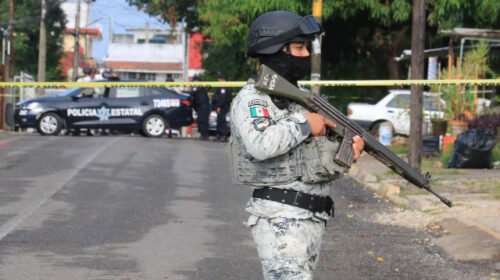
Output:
x=349 y=112
x=186 y=102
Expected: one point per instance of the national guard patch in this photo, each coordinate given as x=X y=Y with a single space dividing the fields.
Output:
x=261 y=124
x=257 y=102
x=257 y=112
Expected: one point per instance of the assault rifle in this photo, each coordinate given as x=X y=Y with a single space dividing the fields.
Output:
x=273 y=84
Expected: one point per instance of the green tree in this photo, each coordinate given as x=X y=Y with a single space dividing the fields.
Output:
x=362 y=37
x=27 y=15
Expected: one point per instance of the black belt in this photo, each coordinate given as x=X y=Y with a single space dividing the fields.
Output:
x=306 y=201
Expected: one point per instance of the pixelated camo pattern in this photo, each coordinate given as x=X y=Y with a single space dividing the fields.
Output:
x=288 y=248
x=283 y=134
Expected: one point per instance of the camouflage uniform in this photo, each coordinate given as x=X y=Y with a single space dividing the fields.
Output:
x=288 y=238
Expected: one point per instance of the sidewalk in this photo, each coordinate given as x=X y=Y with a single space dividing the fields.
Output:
x=472 y=225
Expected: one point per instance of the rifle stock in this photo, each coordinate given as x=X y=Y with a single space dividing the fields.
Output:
x=273 y=84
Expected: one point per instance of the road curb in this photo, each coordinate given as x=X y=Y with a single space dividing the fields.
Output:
x=370 y=181
x=469 y=240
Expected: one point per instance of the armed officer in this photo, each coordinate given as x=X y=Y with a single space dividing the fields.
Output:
x=202 y=107
x=280 y=149
x=221 y=101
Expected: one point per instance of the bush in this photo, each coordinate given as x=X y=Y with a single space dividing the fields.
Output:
x=487 y=121
x=495 y=154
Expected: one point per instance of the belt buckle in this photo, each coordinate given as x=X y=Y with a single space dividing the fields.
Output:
x=297 y=195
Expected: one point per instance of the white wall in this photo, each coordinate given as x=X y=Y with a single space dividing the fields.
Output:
x=146 y=52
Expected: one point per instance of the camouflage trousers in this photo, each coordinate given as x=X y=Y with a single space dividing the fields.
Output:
x=288 y=247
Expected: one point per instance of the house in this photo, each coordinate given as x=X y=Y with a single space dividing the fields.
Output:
x=148 y=54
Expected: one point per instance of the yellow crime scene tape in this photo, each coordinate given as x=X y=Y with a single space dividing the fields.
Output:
x=340 y=83
x=237 y=84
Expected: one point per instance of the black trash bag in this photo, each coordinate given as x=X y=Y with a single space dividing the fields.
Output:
x=472 y=149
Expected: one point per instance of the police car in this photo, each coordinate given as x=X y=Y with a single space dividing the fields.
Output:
x=149 y=111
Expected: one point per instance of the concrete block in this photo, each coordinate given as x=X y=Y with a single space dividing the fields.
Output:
x=388 y=190
x=372 y=186
x=471 y=244
x=369 y=178
x=453 y=225
x=421 y=202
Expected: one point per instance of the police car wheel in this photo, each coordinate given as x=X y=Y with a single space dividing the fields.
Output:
x=154 y=126
x=49 y=124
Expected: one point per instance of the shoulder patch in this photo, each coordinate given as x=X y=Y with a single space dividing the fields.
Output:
x=261 y=124
x=258 y=112
x=257 y=102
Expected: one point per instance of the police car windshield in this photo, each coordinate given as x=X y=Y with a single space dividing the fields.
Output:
x=69 y=92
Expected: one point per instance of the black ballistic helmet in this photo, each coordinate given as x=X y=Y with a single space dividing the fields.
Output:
x=270 y=31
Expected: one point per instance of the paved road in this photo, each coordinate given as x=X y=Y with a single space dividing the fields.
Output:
x=136 y=208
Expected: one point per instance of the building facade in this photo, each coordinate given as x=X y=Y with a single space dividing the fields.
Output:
x=148 y=54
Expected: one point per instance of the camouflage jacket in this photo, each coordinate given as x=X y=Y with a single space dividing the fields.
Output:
x=265 y=131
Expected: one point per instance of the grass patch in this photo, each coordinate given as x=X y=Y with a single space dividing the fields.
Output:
x=490 y=184
x=398 y=149
x=437 y=171
x=495 y=196
x=411 y=191
x=445 y=158
x=495 y=154
x=404 y=206
x=390 y=172
x=432 y=211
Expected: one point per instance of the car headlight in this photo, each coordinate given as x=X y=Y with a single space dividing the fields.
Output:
x=35 y=107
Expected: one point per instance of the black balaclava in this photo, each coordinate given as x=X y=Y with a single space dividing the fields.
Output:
x=292 y=68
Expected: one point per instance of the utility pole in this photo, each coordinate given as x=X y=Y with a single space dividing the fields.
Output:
x=146 y=36
x=2 y=90
x=417 y=72
x=316 y=46
x=110 y=30
x=42 y=50
x=10 y=44
x=8 y=64
x=76 y=52
x=87 y=25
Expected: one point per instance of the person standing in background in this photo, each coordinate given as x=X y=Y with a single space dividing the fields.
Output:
x=221 y=102
x=201 y=104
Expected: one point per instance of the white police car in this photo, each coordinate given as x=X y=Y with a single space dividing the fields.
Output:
x=147 y=110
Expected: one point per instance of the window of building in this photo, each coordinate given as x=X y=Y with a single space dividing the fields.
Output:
x=131 y=75
x=150 y=76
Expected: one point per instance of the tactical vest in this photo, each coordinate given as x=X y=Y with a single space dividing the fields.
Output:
x=309 y=162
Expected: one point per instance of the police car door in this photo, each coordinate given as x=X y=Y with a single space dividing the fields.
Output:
x=87 y=108
x=127 y=105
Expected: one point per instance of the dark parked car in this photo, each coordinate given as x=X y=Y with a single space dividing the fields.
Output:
x=149 y=111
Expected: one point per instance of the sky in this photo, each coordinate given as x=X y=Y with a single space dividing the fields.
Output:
x=123 y=16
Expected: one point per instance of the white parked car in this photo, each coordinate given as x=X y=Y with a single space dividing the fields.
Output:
x=395 y=109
